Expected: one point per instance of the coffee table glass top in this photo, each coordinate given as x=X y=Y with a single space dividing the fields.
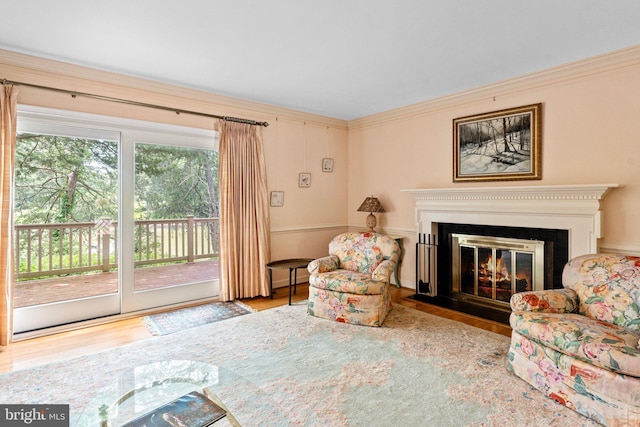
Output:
x=144 y=388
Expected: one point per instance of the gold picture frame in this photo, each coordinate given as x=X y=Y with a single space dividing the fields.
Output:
x=501 y=145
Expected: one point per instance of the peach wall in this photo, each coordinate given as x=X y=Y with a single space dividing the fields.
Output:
x=310 y=216
x=294 y=142
x=589 y=113
x=589 y=131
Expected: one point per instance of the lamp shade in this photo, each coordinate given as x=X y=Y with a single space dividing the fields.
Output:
x=371 y=204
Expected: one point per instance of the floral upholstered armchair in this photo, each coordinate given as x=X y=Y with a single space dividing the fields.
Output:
x=579 y=345
x=351 y=285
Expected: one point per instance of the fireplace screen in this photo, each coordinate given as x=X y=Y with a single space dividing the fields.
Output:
x=492 y=269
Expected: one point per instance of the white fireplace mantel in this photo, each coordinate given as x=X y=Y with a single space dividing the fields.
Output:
x=575 y=208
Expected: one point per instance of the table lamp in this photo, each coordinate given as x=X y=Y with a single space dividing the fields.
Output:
x=371 y=205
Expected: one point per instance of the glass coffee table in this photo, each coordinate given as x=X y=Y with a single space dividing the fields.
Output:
x=146 y=387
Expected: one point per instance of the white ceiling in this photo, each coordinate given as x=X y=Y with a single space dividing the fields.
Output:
x=339 y=58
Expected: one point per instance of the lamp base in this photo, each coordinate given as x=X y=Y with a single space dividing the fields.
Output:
x=371 y=222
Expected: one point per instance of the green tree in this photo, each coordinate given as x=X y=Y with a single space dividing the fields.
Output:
x=64 y=179
x=173 y=182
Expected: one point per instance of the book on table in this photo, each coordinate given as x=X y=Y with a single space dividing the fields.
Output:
x=193 y=409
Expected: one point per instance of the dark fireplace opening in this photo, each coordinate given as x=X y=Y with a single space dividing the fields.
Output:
x=456 y=293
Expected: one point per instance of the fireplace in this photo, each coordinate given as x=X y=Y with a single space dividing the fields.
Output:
x=488 y=270
x=495 y=232
x=513 y=259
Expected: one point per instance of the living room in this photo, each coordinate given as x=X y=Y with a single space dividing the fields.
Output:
x=414 y=141
x=589 y=107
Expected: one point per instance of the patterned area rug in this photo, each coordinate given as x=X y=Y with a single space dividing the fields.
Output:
x=290 y=369
x=191 y=317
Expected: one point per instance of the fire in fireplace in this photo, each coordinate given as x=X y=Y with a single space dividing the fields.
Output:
x=488 y=270
x=476 y=268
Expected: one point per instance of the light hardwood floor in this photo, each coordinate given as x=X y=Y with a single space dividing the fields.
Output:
x=36 y=351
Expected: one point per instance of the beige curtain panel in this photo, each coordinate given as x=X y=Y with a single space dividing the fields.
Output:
x=244 y=213
x=8 y=100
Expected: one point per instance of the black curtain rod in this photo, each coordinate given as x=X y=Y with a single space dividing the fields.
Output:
x=136 y=103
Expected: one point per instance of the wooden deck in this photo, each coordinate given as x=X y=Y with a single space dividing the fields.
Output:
x=44 y=291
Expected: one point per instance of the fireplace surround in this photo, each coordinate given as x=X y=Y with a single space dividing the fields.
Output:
x=567 y=218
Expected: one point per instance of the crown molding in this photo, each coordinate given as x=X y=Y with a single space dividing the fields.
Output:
x=608 y=62
x=49 y=72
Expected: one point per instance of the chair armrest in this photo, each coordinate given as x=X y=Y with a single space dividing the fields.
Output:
x=383 y=271
x=324 y=264
x=547 y=301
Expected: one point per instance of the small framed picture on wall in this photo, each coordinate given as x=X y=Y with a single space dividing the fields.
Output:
x=304 y=180
x=277 y=198
x=327 y=165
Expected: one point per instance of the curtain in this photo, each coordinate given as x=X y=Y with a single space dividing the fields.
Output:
x=8 y=120
x=245 y=246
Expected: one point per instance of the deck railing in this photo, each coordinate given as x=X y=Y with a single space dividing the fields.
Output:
x=56 y=249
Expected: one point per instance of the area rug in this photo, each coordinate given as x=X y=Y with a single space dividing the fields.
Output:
x=192 y=317
x=415 y=370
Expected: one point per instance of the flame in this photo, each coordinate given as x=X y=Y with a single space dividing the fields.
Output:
x=502 y=270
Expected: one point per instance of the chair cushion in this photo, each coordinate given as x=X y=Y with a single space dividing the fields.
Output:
x=599 y=343
x=324 y=264
x=608 y=287
x=549 y=300
x=351 y=282
x=363 y=251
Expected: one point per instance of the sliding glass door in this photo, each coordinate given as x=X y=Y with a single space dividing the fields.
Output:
x=110 y=216
x=175 y=247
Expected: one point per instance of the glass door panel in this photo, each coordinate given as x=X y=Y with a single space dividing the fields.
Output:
x=468 y=270
x=503 y=273
x=485 y=272
x=176 y=226
x=524 y=271
x=65 y=222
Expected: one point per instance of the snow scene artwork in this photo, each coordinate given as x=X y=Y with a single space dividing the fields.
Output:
x=497 y=146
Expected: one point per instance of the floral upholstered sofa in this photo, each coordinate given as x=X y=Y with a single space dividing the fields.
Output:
x=351 y=285
x=579 y=345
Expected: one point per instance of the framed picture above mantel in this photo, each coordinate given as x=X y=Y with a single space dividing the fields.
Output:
x=501 y=145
